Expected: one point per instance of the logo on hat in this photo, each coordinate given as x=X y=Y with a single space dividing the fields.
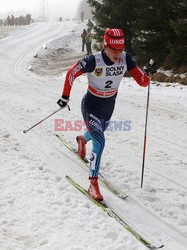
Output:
x=116 y=41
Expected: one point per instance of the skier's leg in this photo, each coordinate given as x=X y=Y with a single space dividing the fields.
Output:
x=94 y=132
x=98 y=142
x=81 y=141
x=87 y=136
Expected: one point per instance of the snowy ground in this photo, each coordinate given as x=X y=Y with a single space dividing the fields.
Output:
x=39 y=209
x=6 y=30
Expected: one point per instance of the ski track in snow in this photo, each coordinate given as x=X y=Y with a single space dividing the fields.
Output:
x=38 y=208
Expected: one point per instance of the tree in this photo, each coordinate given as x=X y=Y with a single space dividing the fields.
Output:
x=178 y=50
x=83 y=11
x=28 y=19
x=153 y=29
x=155 y=32
x=112 y=14
x=82 y=15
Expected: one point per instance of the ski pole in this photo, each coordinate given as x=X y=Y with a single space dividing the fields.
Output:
x=25 y=131
x=145 y=133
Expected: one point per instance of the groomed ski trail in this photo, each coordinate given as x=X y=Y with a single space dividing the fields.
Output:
x=15 y=117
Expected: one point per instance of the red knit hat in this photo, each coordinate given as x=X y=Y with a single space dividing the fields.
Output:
x=114 y=38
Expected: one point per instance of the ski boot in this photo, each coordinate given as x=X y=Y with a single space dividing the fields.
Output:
x=93 y=190
x=81 y=146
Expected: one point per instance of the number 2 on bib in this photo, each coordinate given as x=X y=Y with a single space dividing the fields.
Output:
x=108 y=84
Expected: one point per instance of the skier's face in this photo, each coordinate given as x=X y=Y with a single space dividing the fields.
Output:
x=113 y=54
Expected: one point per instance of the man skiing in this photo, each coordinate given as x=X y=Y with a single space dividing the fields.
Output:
x=105 y=70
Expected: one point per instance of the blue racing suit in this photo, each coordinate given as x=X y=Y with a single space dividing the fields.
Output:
x=98 y=103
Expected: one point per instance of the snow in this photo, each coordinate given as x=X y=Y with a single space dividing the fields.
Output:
x=165 y=72
x=39 y=209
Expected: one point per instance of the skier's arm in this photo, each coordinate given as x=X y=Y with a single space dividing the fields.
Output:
x=85 y=65
x=140 y=77
x=71 y=75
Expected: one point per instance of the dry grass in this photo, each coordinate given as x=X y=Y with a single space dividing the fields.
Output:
x=177 y=70
x=160 y=77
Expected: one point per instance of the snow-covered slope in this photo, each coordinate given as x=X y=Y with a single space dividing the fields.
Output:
x=39 y=209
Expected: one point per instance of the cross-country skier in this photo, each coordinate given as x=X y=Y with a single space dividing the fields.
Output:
x=105 y=70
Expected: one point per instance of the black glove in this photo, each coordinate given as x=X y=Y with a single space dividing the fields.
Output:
x=62 y=102
x=151 y=68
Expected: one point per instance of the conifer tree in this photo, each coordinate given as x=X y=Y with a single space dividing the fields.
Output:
x=155 y=32
x=153 y=29
x=112 y=14
x=178 y=49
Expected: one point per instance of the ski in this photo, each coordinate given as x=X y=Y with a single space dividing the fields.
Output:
x=86 y=163
x=106 y=208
